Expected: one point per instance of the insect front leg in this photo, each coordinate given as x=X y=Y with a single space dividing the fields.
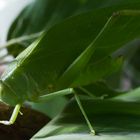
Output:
x=66 y=92
x=14 y=115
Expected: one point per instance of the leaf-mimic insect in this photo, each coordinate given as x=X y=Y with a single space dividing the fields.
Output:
x=50 y=66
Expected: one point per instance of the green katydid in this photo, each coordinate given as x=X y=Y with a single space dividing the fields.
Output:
x=50 y=66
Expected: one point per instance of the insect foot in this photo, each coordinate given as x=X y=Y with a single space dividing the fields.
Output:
x=6 y=122
x=92 y=132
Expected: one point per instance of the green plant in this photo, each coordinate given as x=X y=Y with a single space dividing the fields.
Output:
x=72 y=50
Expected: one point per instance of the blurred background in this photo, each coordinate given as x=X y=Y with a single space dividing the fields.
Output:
x=9 y=9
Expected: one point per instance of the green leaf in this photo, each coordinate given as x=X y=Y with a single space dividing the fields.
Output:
x=111 y=119
x=51 y=108
x=131 y=96
x=43 y=14
x=134 y=136
x=55 y=11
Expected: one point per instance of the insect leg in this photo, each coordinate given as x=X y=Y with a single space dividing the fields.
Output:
x=13 y=117
x=66 y=92
x=55 y=94
x=84 y=113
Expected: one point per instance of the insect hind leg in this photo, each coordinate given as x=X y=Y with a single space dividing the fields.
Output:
x=67 y=92
x=84 y=113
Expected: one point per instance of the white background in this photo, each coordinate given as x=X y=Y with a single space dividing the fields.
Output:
x=9 y=9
